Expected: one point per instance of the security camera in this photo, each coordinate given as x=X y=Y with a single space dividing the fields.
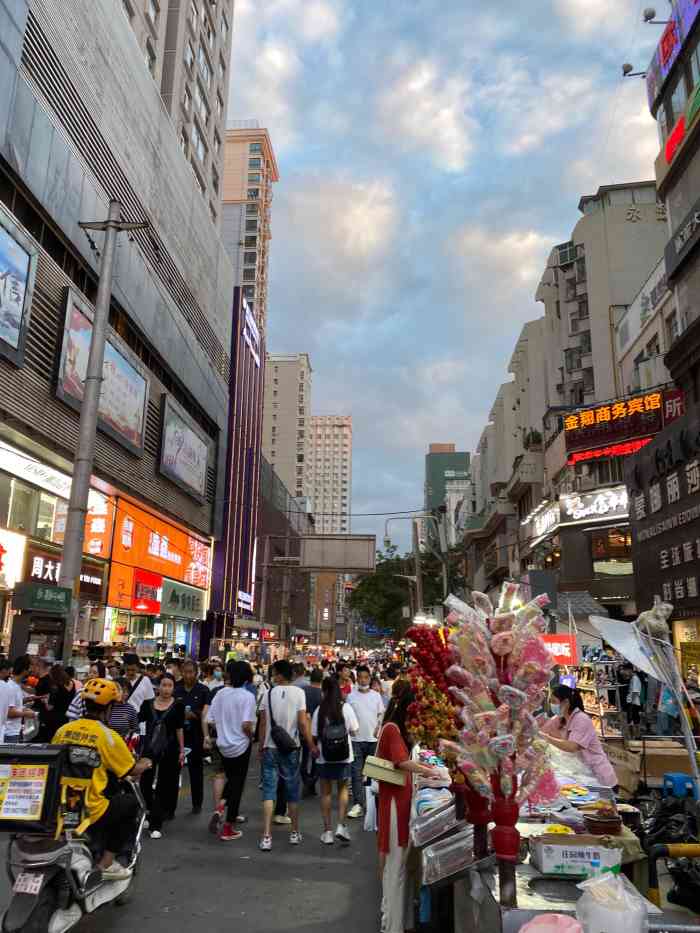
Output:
x=649 y=14
x=627 y=69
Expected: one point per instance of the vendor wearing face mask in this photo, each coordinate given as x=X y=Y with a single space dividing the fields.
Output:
x=368 y=707
x=571 y=730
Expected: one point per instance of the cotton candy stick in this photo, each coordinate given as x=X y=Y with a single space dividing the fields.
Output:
x=509 y=594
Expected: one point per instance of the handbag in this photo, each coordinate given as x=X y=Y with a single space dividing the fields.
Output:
x=380 y=769
x=282 y=739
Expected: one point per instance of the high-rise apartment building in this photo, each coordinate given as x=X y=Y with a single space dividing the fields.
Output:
x=287 y=418
x=329 y=472
x=250 y=170
x=443 y=463
x=186 y=45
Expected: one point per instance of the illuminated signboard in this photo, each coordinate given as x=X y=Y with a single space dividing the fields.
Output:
x=608 y=503
x=614 y=450
x=681 y=21
x=615 y=421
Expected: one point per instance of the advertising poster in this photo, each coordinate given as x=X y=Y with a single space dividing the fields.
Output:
x=18 y=261
x=122 y=411
x=22 y=789
x=185 y=450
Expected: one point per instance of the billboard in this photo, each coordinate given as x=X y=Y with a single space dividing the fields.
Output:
x=602 y=504
x=18 y=262
x=619 y=420
x=185 y=450
x=681 y=21
x=124 y=395
x=338 y=553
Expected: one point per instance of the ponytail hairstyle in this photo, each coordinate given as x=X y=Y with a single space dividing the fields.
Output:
x=562 y=692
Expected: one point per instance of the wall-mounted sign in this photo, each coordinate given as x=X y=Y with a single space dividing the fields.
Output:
x=681 y=20
x=11 y=558
x=44 y=566
x=545 y=522
x=614 y=450
x=38 y=597
x=563 y=648
x=619 y=420
x=601 y=504
x=24 y=466
x=684 y=241
x=18 y=262
x=143 y=540
x=184 y=601
x=124 y=395
x=147 y=592
x=642 y=309
x=185 y=450
x=251 y=334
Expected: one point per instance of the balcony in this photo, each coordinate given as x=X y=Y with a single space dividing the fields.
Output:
x=496 y=559
x=528 y=470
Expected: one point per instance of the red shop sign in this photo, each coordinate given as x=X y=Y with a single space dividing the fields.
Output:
x=147 y=592
x=563 y=648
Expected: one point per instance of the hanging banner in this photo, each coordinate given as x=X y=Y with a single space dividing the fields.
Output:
x=563 y=648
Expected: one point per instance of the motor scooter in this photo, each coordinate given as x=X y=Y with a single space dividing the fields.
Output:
x=54 y=875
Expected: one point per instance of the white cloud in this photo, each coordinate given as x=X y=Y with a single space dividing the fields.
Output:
x=501 y=265
x=319 y=21
x=426 y=110
x=596 y=17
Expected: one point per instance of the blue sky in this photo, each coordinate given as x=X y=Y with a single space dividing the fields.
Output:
x=431 y=153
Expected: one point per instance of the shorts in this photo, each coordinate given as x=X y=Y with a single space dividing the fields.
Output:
x=634 y=715
x=333 y=771
x=217 y=760
x=285 y=767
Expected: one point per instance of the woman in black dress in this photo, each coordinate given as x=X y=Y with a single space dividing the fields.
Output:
x=164 y=717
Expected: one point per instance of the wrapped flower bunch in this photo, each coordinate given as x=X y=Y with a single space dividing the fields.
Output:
x=432 y=715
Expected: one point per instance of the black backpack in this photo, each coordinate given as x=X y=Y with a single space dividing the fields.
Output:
x=158 y=740
x=335 y=743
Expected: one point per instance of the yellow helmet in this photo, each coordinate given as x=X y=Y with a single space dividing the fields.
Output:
x=100 y=690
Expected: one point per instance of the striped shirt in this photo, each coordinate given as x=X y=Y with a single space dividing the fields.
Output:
x=123 y=719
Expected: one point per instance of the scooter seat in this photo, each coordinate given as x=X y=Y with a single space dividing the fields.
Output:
x=39 y=849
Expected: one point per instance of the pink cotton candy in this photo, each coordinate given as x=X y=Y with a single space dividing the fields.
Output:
x=545 y=790
x=502 y=622
x=513 y=698
x=457 y=675
x=502 y=643
x=482 y=603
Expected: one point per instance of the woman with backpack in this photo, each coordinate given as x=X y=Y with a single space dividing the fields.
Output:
x=164 y=717
x=332 y=726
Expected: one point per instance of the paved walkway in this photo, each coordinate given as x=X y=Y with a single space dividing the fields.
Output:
x=189 y=879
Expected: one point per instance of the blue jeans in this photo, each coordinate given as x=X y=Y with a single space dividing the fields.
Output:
x=360 y=750
x=286 y=767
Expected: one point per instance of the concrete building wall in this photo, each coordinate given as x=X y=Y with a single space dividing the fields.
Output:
x=286 y=417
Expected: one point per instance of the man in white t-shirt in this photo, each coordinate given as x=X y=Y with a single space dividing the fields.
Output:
x=369 y=709
x=140 y=687
x=288 y=705
x=232 y=711
x=13 y=729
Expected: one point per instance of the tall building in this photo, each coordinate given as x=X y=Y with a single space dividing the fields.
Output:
x=663 y=477
x=287 y=418
x=250 y=170
x=443 y=463
x=67 y=146
x=186 y=45
x=329 y=472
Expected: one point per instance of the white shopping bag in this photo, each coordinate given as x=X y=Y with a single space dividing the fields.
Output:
x=371 y=807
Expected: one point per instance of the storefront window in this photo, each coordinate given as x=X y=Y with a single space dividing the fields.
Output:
x=24 y=502
x=46 y=516
x=612 y=551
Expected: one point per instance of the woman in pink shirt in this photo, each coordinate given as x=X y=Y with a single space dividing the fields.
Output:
x=572 y=730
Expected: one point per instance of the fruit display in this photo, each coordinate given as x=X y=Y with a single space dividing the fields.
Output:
x=432 y=716
x=431 y=653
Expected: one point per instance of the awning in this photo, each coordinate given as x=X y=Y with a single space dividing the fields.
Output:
x=582 y=604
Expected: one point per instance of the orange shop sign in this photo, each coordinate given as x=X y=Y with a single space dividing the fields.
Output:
x=145 y=541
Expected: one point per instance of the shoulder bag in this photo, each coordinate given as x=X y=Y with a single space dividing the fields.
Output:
x=383 y=770
x=282 y=739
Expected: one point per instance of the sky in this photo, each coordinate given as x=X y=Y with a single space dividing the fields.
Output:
x=431 y=153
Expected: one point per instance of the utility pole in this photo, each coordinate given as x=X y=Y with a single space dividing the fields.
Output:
x=286 y=584
x=72 y=560
x=419 y=574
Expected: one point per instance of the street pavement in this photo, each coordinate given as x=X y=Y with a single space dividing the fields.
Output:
x=190 y=878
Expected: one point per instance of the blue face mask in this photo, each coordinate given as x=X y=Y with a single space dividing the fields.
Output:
x=218 y=675
x=555 y=708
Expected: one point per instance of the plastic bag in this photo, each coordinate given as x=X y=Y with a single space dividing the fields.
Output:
x=571 y=767
x=551 y=923
x=611 y=904
x=371 y=793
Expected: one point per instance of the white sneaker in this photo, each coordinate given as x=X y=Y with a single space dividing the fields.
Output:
x=342 y=833
x=355 y=812
x=327 y=838
x=295 y=839
x=156 y=834
x=282 y=820
x=116 y=872
x=265 y=844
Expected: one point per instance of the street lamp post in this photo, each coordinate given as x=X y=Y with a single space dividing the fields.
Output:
x=416 y=552
x=71 y=562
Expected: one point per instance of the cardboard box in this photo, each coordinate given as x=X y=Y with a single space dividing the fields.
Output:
x=661 y=756
x=627 y=765
x=572 y=855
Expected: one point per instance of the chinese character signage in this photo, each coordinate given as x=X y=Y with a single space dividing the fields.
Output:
x=187 y=602
x=124 y=395
x=607 y=503
x=18 y=262
x=45 y=567
x=620 y=420
x=681 y=19
x=185 y=450
x=683 y=241
x=143 y=540
x=562 y=648
x=664 y=483
x=147 y=592
x=38 y=597
x=635 y=318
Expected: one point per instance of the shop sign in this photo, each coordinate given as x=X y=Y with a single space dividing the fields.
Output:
x=178 y=599
x=18 y=263
x=563 y=648
x=614 y=450
x=664 y=482
x=45 y=567
x=545 y=522
x=622 y=419
x=147 y=592
x=185 y=450
x=607 y=503
x=143 y=540
x=684 y=241
x=38 y=597
x=11 y=558
x=25 y=467
x=124 y=394
x=682 y=17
